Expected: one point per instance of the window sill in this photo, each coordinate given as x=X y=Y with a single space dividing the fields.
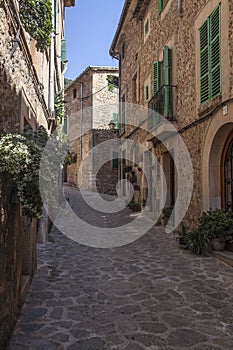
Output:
x=208 y=106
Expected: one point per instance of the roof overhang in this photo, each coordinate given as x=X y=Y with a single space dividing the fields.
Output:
x=140 y=9
x=112 y=50
x=69 y=3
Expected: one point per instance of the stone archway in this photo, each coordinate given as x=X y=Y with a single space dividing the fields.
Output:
x=212 y=175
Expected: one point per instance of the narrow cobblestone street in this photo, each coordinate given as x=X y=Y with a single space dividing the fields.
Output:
x=145 y=295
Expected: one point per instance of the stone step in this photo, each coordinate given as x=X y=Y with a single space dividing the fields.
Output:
x=226 y=256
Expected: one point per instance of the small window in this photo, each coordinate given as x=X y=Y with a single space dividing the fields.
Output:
x=74 y=93
x=146 y=27
x=161 y=5
x=123 y=51
x=123 y=112
x=115 y=162
x=135 y=93
x=147 y=93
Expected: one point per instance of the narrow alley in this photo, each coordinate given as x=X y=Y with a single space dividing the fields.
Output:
x=145 y=295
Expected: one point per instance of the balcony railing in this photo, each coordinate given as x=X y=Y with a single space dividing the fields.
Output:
x=161 y=105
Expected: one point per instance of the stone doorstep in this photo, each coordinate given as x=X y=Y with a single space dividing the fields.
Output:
x=226 y=256
x=25 y=284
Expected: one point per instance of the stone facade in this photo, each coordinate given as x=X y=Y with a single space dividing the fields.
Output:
x=25 y=100
x=206 y=128
x=90 y=107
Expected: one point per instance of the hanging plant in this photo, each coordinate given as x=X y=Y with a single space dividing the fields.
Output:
x=20 y=157
x=36 y=17
x=71 y=158
x=59 y=106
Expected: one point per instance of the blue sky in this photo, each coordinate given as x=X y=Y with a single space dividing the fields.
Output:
x=89 y=29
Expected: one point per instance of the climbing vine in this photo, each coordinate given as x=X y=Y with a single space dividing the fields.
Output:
x=20 y=157
x=59 y=106
x=36 y=17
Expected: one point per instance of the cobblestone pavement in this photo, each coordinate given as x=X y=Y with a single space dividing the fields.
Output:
x=146 y=295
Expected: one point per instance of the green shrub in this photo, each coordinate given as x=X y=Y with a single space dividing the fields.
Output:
x=217 y=224
x=198 y=242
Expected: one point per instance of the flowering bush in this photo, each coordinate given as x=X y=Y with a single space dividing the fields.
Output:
x=20 y=157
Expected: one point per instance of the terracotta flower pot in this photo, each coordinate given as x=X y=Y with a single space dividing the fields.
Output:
x=218 y=244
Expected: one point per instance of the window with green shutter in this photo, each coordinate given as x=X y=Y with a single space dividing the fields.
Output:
x=156 y=77
x=160 y=6
x=167 y=81
x=210 y=61
x=147 y=92
x=115 y=161
x=63 y=51
x=115 y=119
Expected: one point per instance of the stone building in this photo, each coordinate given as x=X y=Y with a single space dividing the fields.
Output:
x=29 y=80
x=175 y=58
x=90 y=106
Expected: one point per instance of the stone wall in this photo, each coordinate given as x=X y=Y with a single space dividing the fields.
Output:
x=83 y=173
x=24 y=96
x=180 y=32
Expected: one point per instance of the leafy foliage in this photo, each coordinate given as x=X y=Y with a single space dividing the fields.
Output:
x=183 y=235
x=20 y=156
x=198 y=242
x=36 y=17
x=59 y=106
x=217 y=224
x=71 y=158
x=211 y=224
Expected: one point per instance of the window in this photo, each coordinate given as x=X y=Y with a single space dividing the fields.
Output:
x=156 y=77
x=115 y=160
x=123 y=51
x=135 y=93
x=161 y=5
x=74 y=93
x=147 y=93
x=210 y=65
x=115 y=120
x=123 y=110
x=161 y=81
x=146 y=27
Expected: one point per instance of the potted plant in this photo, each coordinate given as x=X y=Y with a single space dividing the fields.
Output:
x=218 y=226
x=166 y=214
x=135 y=206
x=198 y=241
x=182 y=236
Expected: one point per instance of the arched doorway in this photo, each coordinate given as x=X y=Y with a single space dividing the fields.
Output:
x=217 y=142
x=227 y=175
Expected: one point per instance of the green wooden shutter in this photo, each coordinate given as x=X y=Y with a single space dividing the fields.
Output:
x=63 y=51
x=210 y=60
x=215 y=67
x=115 y=160
x=204 y=62
x=147 y=93
x=156 y=77
x=167 y=81
x=160 y=6
x=115 y=119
